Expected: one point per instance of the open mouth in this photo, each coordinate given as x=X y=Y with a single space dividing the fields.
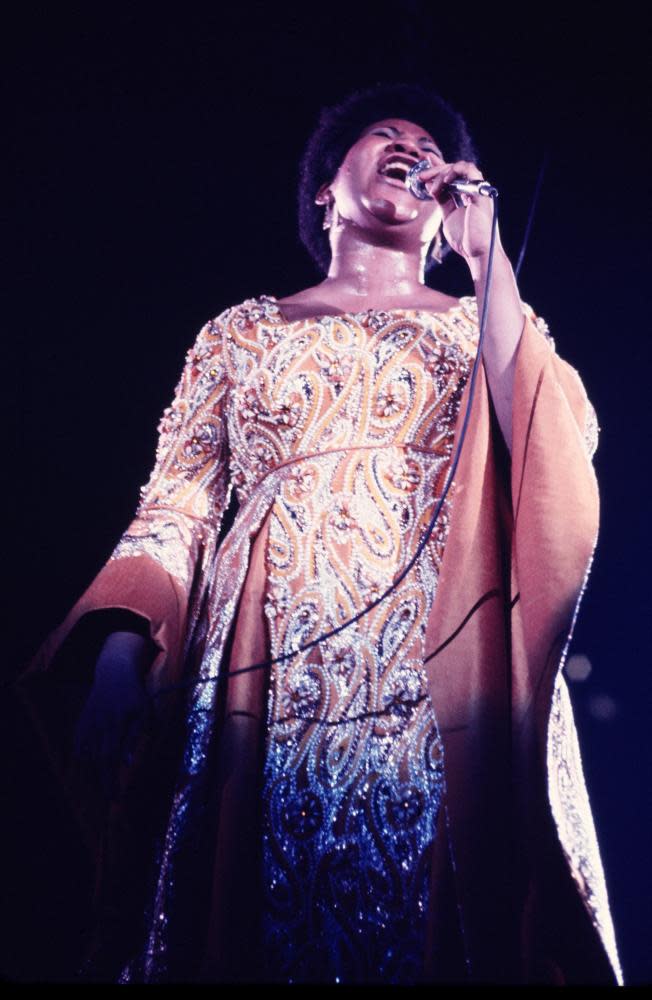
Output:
x=395 y=167
x=396 y=171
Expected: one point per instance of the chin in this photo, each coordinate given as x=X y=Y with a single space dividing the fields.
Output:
x=392 y=209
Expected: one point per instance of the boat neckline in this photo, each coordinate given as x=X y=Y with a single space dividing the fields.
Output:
x=398 y=310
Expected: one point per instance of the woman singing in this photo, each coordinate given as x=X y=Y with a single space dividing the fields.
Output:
x=400 y=799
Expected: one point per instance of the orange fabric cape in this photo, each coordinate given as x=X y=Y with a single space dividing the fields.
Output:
x=518 y=887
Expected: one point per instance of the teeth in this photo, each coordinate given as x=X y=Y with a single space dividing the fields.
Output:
x=397 y=166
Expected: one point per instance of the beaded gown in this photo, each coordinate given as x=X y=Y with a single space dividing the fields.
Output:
x=313 y=787
x=345 y=425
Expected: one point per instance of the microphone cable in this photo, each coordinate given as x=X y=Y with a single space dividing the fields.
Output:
x=533 y=205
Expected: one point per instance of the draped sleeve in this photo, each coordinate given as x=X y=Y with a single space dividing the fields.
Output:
x=158 y=567
x=580 y=406
x=517 y=561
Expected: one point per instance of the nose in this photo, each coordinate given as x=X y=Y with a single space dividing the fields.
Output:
x=406 y=147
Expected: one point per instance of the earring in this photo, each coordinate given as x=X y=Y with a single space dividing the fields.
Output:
x=437 y=249
x=328 y=215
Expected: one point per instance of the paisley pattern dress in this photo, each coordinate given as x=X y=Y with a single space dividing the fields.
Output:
x=341 y=429
x=312 y=802
x=354 y=764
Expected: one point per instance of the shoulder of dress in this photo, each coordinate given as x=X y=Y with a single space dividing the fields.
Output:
x=239 y=322
x=538 y=322
x=468 y=306
x=207 y=350
x=218 y=324
x=461 y=320
x=468 y=309
x=250 y=312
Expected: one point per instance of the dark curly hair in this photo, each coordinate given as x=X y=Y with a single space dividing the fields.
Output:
x=339 y=127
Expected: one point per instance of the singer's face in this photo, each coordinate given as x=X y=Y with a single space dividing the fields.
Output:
x=369 y=187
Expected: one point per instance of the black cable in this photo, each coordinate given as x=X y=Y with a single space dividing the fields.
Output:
x=533 y=205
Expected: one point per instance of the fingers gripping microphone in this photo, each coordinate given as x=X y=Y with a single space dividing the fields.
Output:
x=461 y=185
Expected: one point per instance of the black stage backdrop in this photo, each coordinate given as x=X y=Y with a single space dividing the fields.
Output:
x=153 y=175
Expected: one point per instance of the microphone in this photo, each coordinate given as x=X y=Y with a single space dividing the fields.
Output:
x=466 y=186
x=461 y=185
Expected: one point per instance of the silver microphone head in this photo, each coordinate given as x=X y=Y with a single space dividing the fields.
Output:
x=414 y=184
x=460 y=185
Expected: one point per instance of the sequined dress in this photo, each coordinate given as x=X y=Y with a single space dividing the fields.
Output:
x=306 y=799
x=350 y=420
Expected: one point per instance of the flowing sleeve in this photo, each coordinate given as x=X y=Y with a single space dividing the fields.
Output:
x=516 y=564
x=555 y=535
x=158 y=566
x=571 y=384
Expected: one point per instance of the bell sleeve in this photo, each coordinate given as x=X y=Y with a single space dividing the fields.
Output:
x=516 y=563
x=158 y=569
x=578 y=404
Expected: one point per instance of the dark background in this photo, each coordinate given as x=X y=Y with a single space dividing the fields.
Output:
x=153 y=163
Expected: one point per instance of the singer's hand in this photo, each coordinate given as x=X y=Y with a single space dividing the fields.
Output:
x=112 y=721
x=467 y=218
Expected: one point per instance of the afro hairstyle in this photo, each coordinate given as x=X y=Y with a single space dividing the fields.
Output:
x=340 y=126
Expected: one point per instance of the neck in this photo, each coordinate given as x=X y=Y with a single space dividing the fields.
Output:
x=360 y=268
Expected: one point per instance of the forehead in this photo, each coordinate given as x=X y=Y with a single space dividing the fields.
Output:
x=402 y=127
